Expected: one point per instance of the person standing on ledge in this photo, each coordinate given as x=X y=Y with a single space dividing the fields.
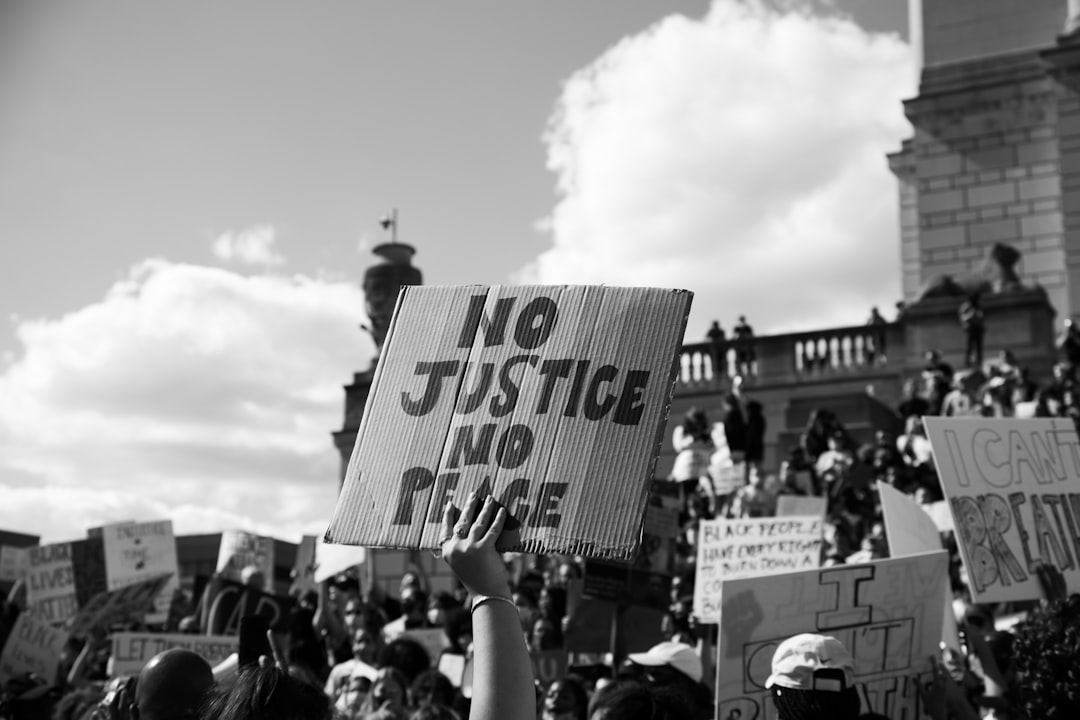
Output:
x=974 y=324
x=744 y=347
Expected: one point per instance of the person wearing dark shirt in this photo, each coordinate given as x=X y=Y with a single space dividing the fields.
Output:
x=911 y=403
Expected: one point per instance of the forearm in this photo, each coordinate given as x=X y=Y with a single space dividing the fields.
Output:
x=502 y=670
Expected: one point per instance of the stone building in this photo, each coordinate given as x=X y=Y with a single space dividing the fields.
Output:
x=993 y=167
x=995 y=154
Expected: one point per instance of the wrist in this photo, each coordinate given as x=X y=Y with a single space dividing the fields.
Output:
x=498 y=599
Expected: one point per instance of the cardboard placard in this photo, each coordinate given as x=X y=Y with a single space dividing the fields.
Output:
x=50 y=583
x=333 y=559
x=224 y=602
x=1013 y=487
x=303 y=572
x=553 y=399
x=240 y=549
x=13 y=563
x=788 y=505
x=137 y=551
x=911 y=531
x=746 y=547
x=886 y=613
x=130 y=603
x=33 y=646
x=131 y=651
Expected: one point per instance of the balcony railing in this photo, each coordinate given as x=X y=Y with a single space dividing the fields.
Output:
x=794 y=357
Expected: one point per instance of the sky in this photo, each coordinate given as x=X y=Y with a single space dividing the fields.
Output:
x=189 y=193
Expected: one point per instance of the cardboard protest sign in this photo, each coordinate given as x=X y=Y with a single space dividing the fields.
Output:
x=911 y=531
x=241 y=549
x=552 y=399
x=224 y=602
x=333 y=559
x=137 y=551
x=738 y=548
x=787 y=505
x=303 y=572
x=33 y=646
x=131 y=651
x=50 y=582
x=384 y=569
x=88 y=558
x=1014 y=490
x=647 y=581
x=886 y=613
x=126 y=604
x=13 y=563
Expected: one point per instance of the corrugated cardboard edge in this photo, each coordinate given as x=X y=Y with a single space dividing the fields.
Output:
x=341 y=510
x=586 y=548
x=629 y=554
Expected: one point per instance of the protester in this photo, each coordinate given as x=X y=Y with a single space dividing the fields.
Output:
x=676 y=667
x=813 y=678
x=173 y=685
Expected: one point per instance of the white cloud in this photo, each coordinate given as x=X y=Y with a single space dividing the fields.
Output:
x=252 y=246
x=187 y=392
x=741 y=156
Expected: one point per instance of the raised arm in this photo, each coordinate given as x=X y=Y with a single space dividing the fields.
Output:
x=502 y=671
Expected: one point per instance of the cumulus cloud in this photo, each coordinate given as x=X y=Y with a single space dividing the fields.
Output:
x=252 y=246
x=187 y=392
x=741 y=156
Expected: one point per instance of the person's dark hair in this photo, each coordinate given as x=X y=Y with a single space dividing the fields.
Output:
x=630 y=700
x=434 y=712
x=407 y=656
x=1044 y=655
x=574 y=685
x=531 y=582
x=445 y=601
x=696 y=424
x=816 y=704
x=414 y=600
x=456 y=623
x=174 y=684
x=431 y=687
x=269 y=693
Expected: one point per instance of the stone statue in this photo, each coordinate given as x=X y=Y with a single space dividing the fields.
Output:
x=382 y=283
x=997 y=274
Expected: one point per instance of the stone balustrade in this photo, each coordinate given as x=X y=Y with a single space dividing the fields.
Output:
x=793 y=357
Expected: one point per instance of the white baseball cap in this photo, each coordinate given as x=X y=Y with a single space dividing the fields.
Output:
x=678 y=655
x=798 y=658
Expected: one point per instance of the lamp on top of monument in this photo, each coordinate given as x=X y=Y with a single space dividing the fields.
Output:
x=383 y=281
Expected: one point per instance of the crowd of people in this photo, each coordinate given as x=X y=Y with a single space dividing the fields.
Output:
x=350 y=651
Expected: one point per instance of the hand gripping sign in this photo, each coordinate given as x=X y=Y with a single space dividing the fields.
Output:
x=553 y=399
